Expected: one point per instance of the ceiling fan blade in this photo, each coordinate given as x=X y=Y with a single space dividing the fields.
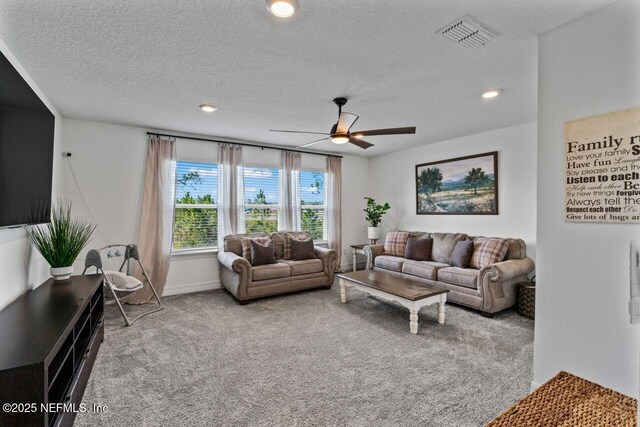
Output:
x=345 y=122
x=360 y=143
x=298 y=131
x=389 y=131
x=308 y=144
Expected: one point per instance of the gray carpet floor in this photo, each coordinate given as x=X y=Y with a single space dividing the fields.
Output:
x=307 y=360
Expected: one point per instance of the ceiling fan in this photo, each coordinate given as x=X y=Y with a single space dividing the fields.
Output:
x=341 y=131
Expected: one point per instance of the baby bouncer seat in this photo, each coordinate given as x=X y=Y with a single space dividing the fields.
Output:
x=119 y=279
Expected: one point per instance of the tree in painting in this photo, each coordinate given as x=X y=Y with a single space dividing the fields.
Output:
x=475 y=179
x=430 y=181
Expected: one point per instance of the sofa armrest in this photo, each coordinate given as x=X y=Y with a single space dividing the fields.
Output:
x=507 y=270
x=234 y=262
x=372 y=251
x=329 y=257
x=498 y=283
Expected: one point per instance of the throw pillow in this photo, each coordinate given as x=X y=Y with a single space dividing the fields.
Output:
x=418 y=249
x=488 y=251
x=262 y=254
x=396 y=242
x=246 y=245
x=462 y=253
x=302 y=249
x=288 y=237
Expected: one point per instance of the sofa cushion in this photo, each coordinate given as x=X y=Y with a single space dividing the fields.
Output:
x=306 y=266
x=271 y=271
x=246 y=245
x=461 y=256
x=443 y=245
x=395 y=242
x=488 y=251
x=278 y=244
x=233 y=242
x=418 y=249
x=467 y=277
x=388 y=262
x=517 y=249
x=302 y=249
x=424 y=269
x=262 y=254
x=292 y=235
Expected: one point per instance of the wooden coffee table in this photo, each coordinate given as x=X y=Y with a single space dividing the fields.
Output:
x=410 y=293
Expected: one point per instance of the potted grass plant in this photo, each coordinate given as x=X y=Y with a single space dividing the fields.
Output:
x=374 y=213
x=61 y=240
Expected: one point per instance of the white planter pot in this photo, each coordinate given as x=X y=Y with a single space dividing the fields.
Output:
x=61 y=273
x=373 y=233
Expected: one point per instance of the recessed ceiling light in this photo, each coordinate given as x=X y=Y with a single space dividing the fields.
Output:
x=208 y=108
x=491 y=94
x=282 y=8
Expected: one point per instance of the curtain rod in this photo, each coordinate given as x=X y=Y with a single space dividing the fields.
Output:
x=246 y=144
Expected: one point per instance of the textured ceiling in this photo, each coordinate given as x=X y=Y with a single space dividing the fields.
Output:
x=150 y=63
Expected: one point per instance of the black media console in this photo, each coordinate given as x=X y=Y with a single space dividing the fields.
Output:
x=49 y=340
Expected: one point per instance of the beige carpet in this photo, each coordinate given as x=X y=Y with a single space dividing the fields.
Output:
x=307 y=359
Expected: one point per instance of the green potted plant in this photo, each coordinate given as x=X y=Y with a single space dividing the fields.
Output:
x=61 y=240
x=374 y=213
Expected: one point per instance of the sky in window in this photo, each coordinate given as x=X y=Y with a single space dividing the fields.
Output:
x=256 y=179
x=207 y=184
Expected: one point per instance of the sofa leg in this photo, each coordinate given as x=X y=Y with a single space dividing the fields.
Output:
x=487 y=314
x=327 y=287
x=243 y=301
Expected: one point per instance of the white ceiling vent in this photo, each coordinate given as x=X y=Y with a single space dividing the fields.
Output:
x=467 y=31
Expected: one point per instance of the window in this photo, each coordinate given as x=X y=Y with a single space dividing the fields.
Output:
x=262 y=197
x=313 y=199
x=196 y=214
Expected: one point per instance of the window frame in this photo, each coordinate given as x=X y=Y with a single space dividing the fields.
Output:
x=322 y=207
x=176 y=206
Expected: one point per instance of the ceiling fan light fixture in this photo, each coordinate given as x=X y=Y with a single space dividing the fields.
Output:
x=357 y=135
x=282 y=8
x=340 y=139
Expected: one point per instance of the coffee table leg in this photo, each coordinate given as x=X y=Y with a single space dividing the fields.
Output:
x=441 y=311
x=343 y=291
x=413 y=321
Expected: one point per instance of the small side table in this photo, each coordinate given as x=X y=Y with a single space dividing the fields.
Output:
x=357 y=249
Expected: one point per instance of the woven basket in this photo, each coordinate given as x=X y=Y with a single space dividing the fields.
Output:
x=527 y=299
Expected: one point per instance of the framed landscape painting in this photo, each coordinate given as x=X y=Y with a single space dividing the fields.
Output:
x=460 y=186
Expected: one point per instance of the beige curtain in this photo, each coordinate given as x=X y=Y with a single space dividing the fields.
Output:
x=334 y=206
x=155 y=234
x=290 y=204
x=230 y=191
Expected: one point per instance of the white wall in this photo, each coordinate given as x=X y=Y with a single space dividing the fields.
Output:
x=109 y=162
x=392 y=179
x=21 y=269
x=587 y=67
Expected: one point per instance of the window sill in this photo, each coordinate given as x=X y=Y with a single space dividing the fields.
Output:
x=180 y=253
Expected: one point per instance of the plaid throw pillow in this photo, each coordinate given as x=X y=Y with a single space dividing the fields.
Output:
x=246 y=245
x=396 y=242
x=288 y=237
x=488 y=251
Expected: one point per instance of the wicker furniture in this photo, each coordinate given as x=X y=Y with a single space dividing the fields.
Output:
x=568 y=400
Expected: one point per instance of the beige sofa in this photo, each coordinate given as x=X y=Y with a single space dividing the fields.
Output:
x=490 y=290
x=245 y=282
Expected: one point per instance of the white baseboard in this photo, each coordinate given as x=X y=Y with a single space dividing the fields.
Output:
x=534 y=385
x=187 y=288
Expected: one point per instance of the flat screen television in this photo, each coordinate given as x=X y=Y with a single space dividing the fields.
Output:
x=26 y=151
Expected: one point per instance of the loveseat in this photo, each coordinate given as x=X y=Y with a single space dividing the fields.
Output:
x=246 y=282
x=489 y=289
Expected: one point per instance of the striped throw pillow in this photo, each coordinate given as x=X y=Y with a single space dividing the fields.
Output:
x=487 y=251
x=396 y=242
x=246 y=245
